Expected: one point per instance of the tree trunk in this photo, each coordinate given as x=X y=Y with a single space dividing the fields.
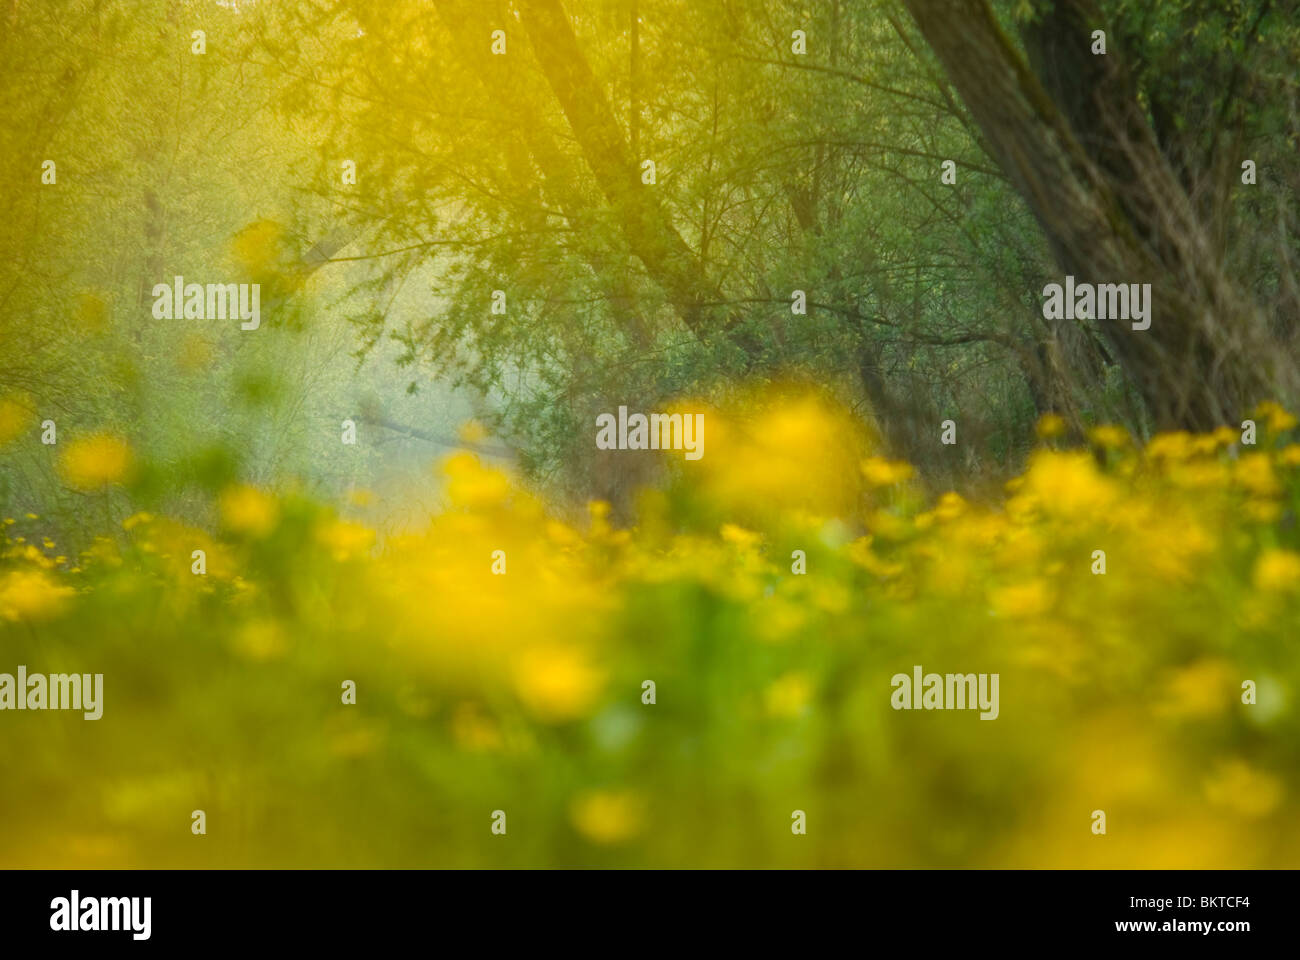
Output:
x=1112 y=210
x=647 y=227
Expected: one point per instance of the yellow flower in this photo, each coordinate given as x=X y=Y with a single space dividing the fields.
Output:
x=885 y=473
x=557 y=683
x=1277 y=571
x=745 y=539
x=860 y=552
x=1108 y=436
x=1068 y=484
x=788 y=696
x=1225 y=436
x=1277 y=418
x=950 y=506
x=1050 y=425
x=247 y=510
x=472 y=485
x=261 y=640
x=1199 y=474
x=1175 y=445
x=95 y=461
x=344 y=539
x=888 y=525
x=1255 y=473
x=1262 y=511
x=1021 y=600
x=133 y=521
x=31 y=595
x=608 y=817
x=260 y=249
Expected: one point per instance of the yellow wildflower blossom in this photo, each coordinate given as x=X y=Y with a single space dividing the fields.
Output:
x=1277 y=571
x=608 y=817
x=247 y=510
x=31 y=595
x=95 y=461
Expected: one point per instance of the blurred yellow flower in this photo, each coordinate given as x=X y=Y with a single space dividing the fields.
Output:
x=1277 y=571
x=608 y=817
x=888 y=525
x=556 y=683
x=1108 y=436
x=1174 y=445
x=135 y=520
x=1021 y=600
x=247 y=510
x=1050 y=425
x=860 y=552
x=1067 y=484
x=1275 y=416
x=1199 y=474
x=31 y=595
x=950 y=506
x=261 y=640
x=745 y=539
x=772 y=458
x=885 y=473
x=789 y=695
x=1263 y=511
x=472 y=485
x=1225 y=436
x=95 y=461
x=345 y=540
x=1255 y=473
x=259 y=249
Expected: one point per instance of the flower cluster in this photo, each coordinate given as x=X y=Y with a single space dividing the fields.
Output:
x=668 y=694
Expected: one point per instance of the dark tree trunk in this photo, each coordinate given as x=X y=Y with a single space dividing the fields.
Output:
x=1081 y=153
x=647 y=227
